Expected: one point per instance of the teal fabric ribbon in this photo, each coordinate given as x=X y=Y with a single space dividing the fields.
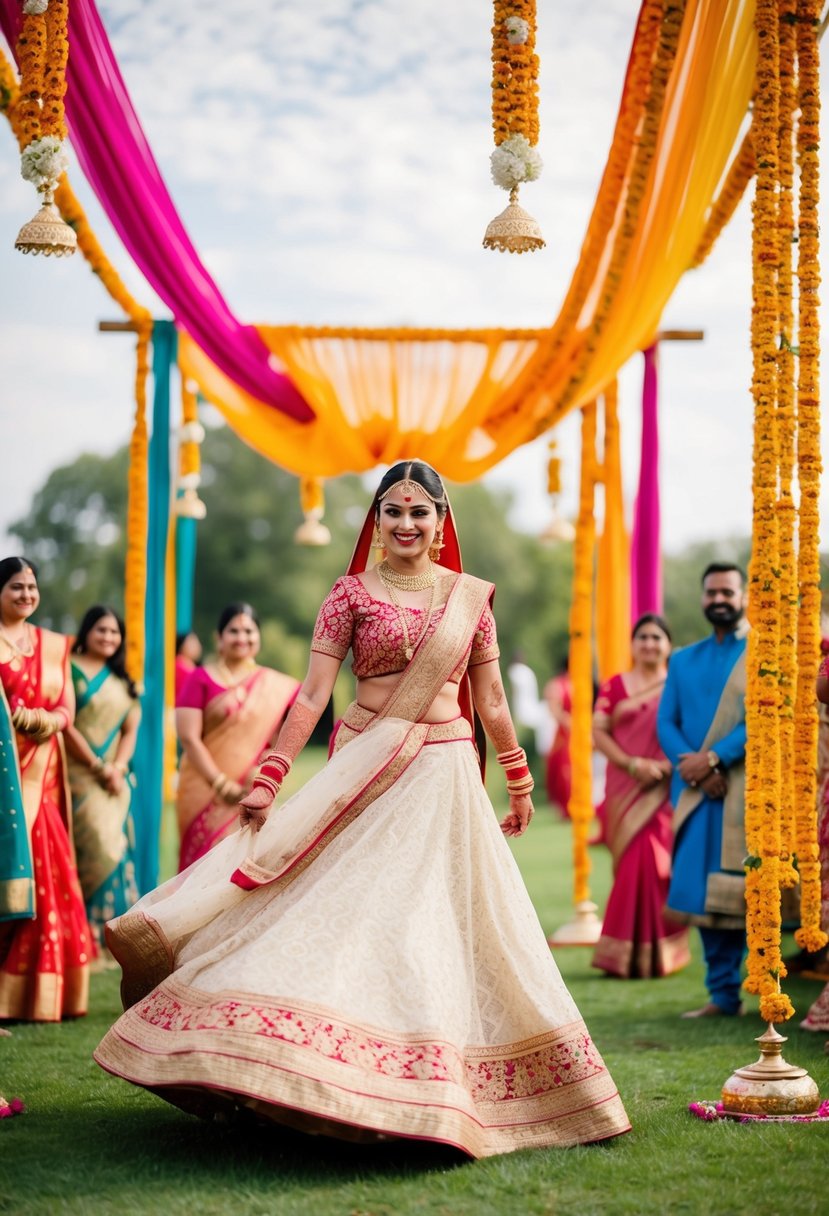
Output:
x=148 y=762
x=17 y=886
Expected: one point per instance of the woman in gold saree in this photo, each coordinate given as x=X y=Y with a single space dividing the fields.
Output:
x=365 y=961
x=101 y=743
x=226 y=715
x=637 y=940
x=44 y=939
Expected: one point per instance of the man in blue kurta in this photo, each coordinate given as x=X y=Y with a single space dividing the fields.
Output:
x=701 y=727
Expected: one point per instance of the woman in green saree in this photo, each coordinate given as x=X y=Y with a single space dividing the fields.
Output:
x=101 y=744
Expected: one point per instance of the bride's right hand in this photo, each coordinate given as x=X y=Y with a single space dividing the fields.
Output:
x=254 y=807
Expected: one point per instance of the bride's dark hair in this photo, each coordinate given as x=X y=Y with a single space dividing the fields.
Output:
x=421 y=473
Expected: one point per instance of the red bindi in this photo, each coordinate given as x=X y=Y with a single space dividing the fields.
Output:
x=406 y=498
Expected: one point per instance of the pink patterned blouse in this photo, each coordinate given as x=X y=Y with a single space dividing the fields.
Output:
x=352 y=619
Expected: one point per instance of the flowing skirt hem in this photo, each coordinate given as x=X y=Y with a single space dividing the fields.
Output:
x=314 y=1070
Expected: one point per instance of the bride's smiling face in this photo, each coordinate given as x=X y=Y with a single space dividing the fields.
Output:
x=407 y=523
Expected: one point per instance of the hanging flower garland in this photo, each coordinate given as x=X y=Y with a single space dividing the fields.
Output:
x=43 y=50
x=138 y=493
x=810 y=936
x=580 y=664
x=631 y=112
x=191 y=436
x=762 y=824
x=514 y=122
x=786 y=512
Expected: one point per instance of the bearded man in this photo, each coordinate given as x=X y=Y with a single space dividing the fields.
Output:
x=701 y=727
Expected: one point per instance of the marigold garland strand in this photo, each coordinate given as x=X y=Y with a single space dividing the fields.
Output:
x=52 y=118
x=135 y=576
x=786 y=512
x=580 y=665
x=31 y=56
x=514 y=74
x=810 y=936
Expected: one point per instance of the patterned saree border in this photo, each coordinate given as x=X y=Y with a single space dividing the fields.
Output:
x=283 y=1061
x=145 y=955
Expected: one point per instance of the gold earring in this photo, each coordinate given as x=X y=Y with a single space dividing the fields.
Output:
x=377 y=542
x=436 y=546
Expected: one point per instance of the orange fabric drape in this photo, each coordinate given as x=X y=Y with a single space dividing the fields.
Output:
x=613 y=557
x=465 y=399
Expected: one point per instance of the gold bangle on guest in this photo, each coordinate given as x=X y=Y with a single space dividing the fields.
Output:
x=97 y=766
x=219 y=783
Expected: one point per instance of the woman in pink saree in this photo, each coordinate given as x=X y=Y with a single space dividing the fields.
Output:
x=226 y=714
x=637 y=940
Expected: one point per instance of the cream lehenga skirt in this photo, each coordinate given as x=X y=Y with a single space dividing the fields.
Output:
x=391 y=980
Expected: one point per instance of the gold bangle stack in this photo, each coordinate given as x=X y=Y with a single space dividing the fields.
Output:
x=220 y=783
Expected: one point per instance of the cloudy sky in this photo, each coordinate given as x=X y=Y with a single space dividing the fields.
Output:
x=331 y=162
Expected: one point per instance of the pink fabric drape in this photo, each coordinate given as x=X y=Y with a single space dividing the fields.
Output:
x=645 y=553
x=117 y=161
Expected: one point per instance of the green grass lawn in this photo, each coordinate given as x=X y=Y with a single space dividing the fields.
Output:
x=91 y=1143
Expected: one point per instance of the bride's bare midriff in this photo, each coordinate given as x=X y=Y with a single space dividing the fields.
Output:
x=374 y=691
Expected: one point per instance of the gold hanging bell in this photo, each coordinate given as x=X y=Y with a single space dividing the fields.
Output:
x=514 y=230
x=312 y=531
x=47 y=232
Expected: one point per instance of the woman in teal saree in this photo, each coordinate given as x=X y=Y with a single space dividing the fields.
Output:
x=101 y=744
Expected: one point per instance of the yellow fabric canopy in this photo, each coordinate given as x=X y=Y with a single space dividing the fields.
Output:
x=463 y=400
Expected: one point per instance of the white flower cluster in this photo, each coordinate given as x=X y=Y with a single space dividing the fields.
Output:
x=191 y=432
x=514 y=161
x=33 y=8
x=43 y=161
x=517 y=29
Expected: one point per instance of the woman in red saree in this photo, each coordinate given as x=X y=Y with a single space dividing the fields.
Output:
x=44 y=939
x=637 y=940
x=365 y=961
x=226 y=714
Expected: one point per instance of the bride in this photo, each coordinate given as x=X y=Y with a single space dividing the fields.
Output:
x=364 y=960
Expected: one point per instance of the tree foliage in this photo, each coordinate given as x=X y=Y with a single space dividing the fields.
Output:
x=74 y=532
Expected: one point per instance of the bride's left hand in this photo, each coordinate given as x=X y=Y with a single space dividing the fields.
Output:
x=517 y=820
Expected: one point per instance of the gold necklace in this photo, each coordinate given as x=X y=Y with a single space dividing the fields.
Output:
x=24 y=651
x=407 y=582
x=408 y=646
x=230 y=678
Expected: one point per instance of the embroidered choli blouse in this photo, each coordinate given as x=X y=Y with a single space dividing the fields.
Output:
x=352 y=619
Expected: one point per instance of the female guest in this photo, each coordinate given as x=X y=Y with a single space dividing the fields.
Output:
x=636 y=939
x=44 y=940
x=188 y=657
x=226 y=714
x=365 y=961
x=101 y=744
x=558 y=693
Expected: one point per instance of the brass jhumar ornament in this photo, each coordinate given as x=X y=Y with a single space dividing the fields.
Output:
x=514 y=230
x=47 y=232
